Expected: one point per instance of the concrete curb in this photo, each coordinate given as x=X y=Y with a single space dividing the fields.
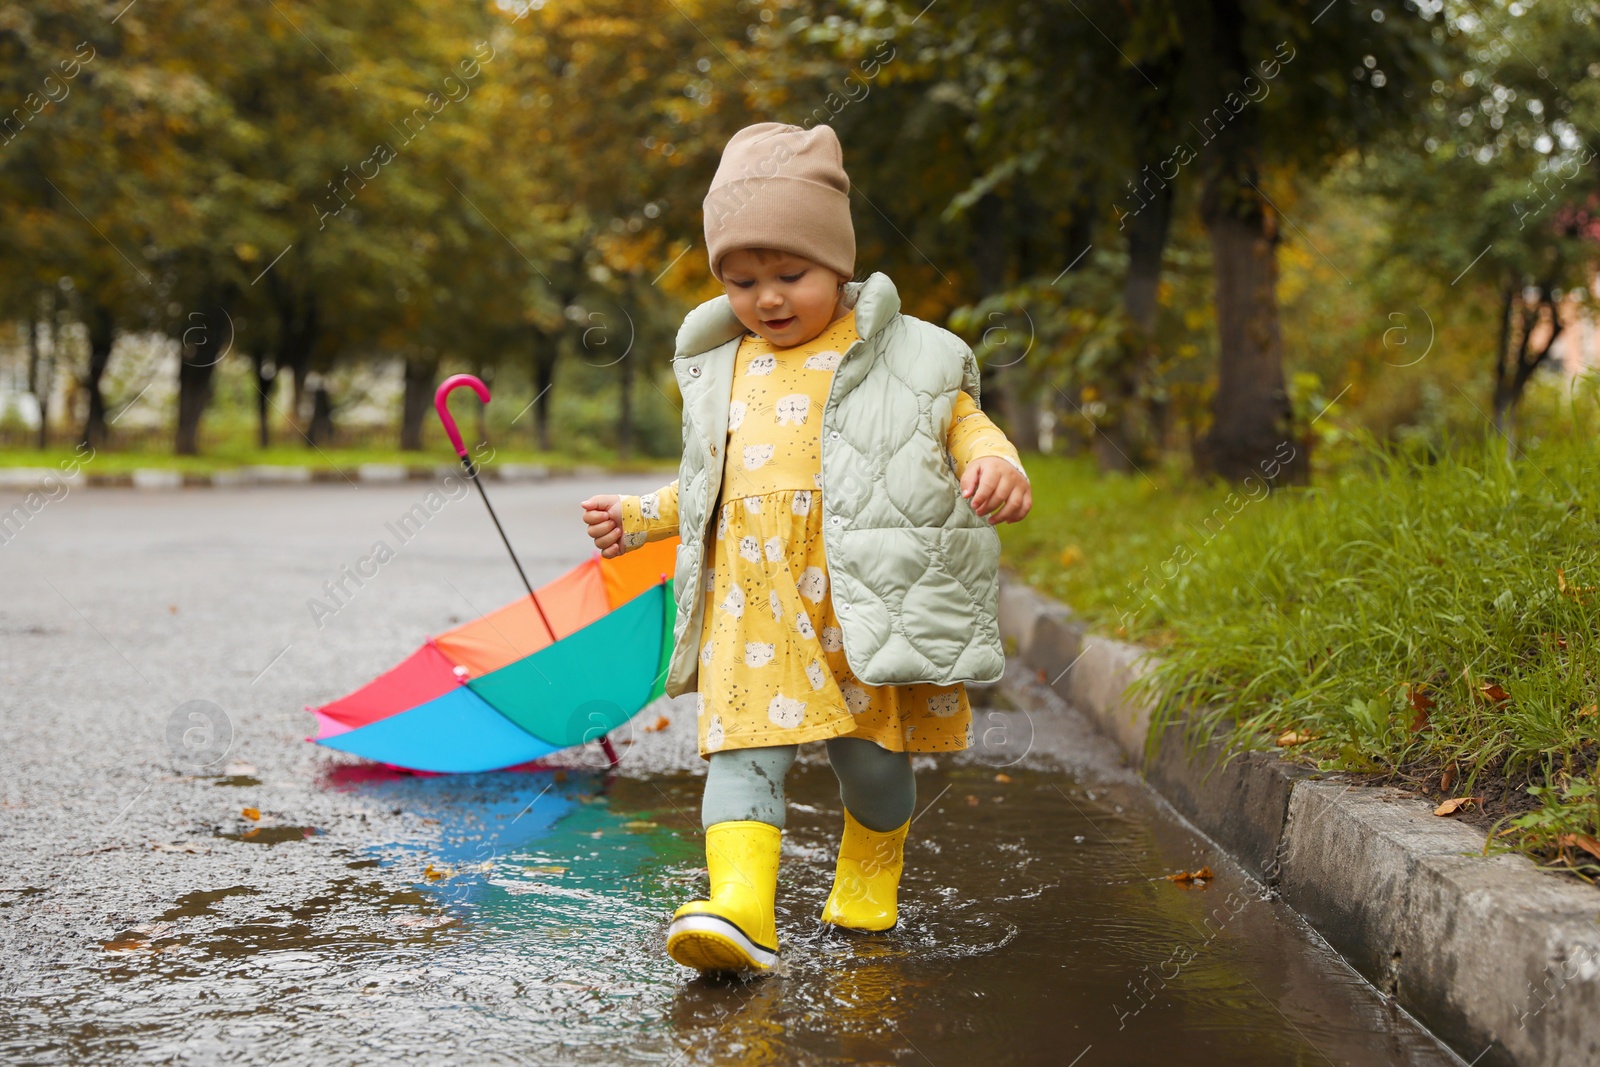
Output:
x=27 y=479
x=1497 y=958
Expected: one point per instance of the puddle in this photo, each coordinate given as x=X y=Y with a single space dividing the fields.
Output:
x=519 y=917
x=270 y=835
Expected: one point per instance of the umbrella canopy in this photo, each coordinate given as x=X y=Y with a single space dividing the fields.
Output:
x=504 y=689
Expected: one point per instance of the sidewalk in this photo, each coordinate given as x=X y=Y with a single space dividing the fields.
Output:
x=1500 y=960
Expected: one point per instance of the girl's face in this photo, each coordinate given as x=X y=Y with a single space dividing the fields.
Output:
x=785 y=298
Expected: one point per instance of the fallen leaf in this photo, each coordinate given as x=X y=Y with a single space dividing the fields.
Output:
x=1185 y=877
x=1447 y=779
x=172 y=609
x=1292 y=737
x=1070 y=555
x=639 y=824
x=1589 y=711
x=1421 y=703
x=1583 y=841
x=660 y=724
x=1494 y=693
x=182 y=846
x=253 y=814
x=1573 y=590
x=433 y=874
x=248 y=834
x=1040 y=674
x=1453 y=805
x=972 y=801
x=1002 y=777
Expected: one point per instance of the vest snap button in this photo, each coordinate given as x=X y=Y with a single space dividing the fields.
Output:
x=834 y=435
x=836 y=520
x=694 y=372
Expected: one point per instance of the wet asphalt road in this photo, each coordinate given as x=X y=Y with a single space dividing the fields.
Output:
x=370 y=917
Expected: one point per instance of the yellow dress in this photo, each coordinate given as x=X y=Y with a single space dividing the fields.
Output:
x=772 y=662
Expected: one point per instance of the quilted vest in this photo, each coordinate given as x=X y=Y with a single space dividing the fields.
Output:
x=913 y=569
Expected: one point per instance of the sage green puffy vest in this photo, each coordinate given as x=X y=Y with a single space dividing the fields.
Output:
x=913 y=569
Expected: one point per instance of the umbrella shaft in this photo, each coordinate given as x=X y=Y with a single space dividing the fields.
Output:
x=472 y=472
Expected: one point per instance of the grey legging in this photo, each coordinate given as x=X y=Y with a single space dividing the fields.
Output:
x=876 y=785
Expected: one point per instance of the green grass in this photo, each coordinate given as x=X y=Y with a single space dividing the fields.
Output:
x=1418 y=622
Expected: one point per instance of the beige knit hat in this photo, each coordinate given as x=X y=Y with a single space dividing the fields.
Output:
x=784 y=187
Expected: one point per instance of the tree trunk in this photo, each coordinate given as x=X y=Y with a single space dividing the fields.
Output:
x=480 y=412
x=266 y=373
x=625 y=411
x=421 y=376
x=1252 y=431
x=41 y=369
x=1502 y=399
x=992 y=246
x=101 y=338
x=321 y=432
x=1131 y=435
x=297 y=396
x=299 y=323
x=203 y=347
x=545 y=348
x=1517 y=362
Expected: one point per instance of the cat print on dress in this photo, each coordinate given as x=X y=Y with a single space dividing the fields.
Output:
x=802 y=625
x=714 y=735
x=793 y=408
x=856 y=699
x=785 y=712
x=750 y=548
x=758 y=653
x=705 y=652
x=736 y=412
x=813 y=583
x=832 y=639
x=817 y=673
x=943 y=705
x=764 y=364
x=801 y=504
x=756 y=456
x=774 y=548
x=775 y=605
x=823 y=361
x=733 y=603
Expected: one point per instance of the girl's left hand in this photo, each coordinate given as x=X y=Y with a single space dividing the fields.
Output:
x=992 y=484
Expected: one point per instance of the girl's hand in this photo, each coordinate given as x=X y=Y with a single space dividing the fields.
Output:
x=603 y=515
x=992 y=484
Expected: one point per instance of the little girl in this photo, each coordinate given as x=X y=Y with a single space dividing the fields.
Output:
x=853 y=580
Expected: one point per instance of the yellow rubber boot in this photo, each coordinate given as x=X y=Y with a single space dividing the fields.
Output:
x=736 y=930
x=867 y=880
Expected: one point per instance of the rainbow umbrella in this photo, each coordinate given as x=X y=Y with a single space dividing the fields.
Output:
x=565 y=665
x=502 y=690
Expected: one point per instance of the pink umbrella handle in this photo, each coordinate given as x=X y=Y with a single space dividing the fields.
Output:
x=441 y=404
